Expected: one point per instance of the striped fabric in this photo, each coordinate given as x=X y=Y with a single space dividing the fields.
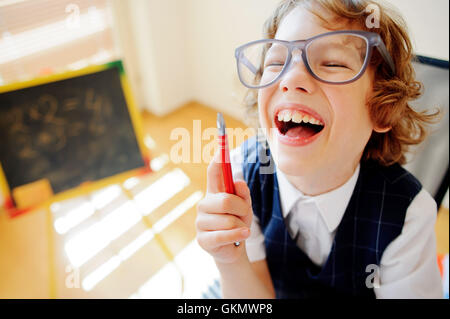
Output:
x=374 y=217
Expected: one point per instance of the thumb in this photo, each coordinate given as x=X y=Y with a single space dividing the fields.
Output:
x=214 y=179
x=243 y=191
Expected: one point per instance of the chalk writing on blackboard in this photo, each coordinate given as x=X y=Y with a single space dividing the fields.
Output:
x=69 y=131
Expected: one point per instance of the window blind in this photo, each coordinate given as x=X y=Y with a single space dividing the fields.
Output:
x=39 y=37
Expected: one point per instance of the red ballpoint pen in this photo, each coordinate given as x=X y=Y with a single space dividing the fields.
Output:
x=225 y=156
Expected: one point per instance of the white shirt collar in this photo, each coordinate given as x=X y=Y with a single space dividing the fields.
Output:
x=331 y=205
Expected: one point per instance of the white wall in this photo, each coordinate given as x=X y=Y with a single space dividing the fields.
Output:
x=185 y=48
x=216 y=28
x=153 y=38
x=177 y=51
x=167 y=20
x=428 y=23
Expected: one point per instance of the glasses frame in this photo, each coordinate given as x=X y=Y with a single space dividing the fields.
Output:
x=372 y=40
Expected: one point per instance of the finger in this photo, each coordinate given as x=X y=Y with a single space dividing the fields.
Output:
x=224 y=203
x=212 y=222
x=214 y=179
x=218 y=238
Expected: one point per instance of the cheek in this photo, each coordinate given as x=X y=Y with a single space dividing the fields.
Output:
x=351 y=117
x=263 y=106
x=354 y=121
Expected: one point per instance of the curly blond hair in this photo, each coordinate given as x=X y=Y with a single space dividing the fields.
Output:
x=389 y=104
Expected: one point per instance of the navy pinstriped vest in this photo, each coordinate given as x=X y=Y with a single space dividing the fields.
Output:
x=374 y=217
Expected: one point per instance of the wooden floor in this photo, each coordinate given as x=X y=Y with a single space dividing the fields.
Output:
x=33 y=259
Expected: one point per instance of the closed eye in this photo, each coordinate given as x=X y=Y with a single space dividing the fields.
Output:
x=274 y=64
x=336 y=65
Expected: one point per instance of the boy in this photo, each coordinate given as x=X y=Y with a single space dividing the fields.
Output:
x=338 y=216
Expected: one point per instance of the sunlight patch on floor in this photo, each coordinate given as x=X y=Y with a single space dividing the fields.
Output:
x=197 y=269
x=161 y=191
x=91 y=240
x=92 y=279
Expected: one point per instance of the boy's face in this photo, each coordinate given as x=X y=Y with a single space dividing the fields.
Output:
x=341 y=108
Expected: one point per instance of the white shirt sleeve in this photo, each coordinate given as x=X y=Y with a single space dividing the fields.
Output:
x=255 y=243
x=408 y=267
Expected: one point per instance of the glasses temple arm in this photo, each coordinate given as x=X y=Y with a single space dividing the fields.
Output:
x=387 y=57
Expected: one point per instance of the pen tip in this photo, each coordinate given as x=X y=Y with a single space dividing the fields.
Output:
x=220 y=124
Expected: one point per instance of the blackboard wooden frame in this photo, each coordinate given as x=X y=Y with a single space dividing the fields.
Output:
x=87 y=187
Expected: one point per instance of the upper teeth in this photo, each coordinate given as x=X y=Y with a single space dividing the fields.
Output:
x=297 y=117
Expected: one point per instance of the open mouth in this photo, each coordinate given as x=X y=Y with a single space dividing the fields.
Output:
x=299 y=125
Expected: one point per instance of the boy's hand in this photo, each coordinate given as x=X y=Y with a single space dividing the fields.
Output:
x=223 y=218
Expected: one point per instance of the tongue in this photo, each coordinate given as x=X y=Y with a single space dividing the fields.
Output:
x=301 y=132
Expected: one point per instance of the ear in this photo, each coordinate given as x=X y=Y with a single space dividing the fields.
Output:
x=382 y=129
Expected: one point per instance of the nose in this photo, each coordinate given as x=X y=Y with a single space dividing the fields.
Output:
x=297 y=77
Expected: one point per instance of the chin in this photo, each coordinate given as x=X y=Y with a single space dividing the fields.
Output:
x=294 y=167
x=291 y=163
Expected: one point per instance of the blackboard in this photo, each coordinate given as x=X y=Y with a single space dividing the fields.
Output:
x=68 y=131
